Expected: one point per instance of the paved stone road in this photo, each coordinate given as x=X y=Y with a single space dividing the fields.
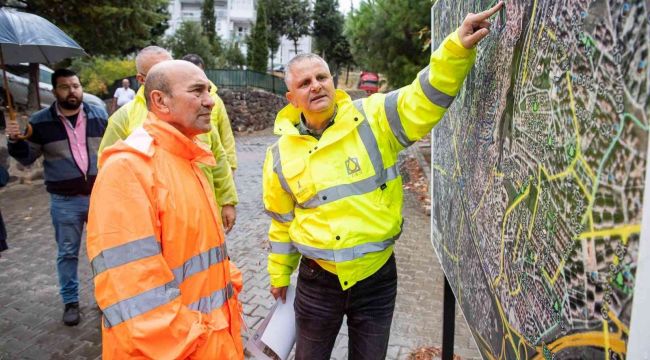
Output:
x=30 y=309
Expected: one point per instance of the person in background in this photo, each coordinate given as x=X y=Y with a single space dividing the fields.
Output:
x=67 y=135
x=129 y=117
x=122 y=95
x=332 y=187
x=163 y=278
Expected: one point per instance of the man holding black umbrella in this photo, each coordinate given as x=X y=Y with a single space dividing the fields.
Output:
x=67 y=134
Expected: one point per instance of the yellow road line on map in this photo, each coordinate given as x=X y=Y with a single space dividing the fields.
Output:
x=618 y=322
x=530 y=30
x=587 y=168
x=592 y=338
x=440 y=169
x=557 y=272
x=606 y=338
x=541 y=31
x=623 y=232
x=487 y=188
x=503 y=230
x=551 y=34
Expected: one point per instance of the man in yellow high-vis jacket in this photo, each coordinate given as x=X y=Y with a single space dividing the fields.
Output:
x=130 y=116
x=332 y=188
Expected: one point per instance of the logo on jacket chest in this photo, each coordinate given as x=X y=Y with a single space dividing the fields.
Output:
x=352 y=165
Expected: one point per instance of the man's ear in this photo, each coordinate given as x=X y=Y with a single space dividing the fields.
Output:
x=140 y=78
x=159 y=102
x=291 y=99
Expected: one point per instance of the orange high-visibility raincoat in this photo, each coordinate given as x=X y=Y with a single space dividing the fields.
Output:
x=161 y=271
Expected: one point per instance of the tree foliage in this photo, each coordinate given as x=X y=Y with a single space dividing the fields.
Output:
x=258 y=51
x=233 y=57
x=385 y=37
x=189 y=38
x=208 y=20
x=276 y=22
x=298 y=15
x=98 y=73
x=122 y=26
x=327 y=31
x=327 y=26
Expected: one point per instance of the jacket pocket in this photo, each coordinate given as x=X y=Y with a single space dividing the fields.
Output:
x=383 y=195
x=299 y=179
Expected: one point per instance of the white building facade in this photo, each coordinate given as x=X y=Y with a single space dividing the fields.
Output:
x=235 y=20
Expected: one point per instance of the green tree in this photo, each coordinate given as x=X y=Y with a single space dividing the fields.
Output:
x=98 y=73
x=233 y=57
x=327 y=26
x=189 y=38
x=258 y=50
x=392 y=46
x=276 y=20
x=298 y=18
x=208 y=20
x=340 y=56
x=104 y=27
x=327 y=31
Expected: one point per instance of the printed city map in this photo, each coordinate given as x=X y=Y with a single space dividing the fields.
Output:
x=538 y=172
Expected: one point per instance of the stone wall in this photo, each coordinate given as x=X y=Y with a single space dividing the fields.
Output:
x=251 y=109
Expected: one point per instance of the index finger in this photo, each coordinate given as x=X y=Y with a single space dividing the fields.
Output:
x=488 y=13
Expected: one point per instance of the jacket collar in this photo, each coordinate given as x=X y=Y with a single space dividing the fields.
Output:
x=173 y=141
x=289 y=117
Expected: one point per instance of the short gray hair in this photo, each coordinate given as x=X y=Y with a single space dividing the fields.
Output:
x=298 y=59
x=146 y=52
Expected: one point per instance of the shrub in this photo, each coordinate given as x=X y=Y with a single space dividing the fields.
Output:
x=98 y=73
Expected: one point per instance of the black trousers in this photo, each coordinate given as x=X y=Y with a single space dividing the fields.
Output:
x=320 y=305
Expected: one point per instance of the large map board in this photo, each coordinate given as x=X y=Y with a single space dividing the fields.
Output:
x=538 y=174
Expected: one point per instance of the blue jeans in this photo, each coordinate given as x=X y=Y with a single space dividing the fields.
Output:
x=69 y=213
x=321 y=303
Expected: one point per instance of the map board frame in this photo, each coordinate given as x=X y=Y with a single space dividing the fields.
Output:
x=618 y=338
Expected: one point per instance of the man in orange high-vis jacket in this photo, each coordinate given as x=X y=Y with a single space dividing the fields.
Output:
x=161 y=270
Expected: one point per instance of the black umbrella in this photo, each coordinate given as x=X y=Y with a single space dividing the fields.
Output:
x=29 y=38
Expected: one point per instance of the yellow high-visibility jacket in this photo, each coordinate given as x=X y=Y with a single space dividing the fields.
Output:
x=338 y=200
x=220 y=121
x=162 y=276
x=131 y=115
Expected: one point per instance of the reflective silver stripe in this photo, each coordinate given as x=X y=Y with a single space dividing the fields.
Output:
x=357 y=188
x=370 y=142
x=277 y=167
x=283 y=218
x=214 y=300
x=359 y=105
x=200 y=262
x=139 y=304
x=390 y=106
x=284 y=248
x=340 y=255
x=434 y=95
x=125 y=253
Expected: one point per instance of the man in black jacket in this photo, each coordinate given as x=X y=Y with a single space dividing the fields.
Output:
x=67 y=134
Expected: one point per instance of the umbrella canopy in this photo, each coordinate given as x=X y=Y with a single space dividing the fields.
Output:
x=30 y=38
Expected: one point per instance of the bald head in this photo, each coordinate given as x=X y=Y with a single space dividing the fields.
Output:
x=299 y=59
x=178 y=92
x=147 y=58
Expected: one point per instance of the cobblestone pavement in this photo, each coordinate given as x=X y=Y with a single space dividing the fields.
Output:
x=30 y=308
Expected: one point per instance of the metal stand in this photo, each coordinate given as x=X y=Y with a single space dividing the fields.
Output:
x=448 y=322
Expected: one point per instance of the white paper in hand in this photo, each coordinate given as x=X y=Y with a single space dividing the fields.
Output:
x=276 y=335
